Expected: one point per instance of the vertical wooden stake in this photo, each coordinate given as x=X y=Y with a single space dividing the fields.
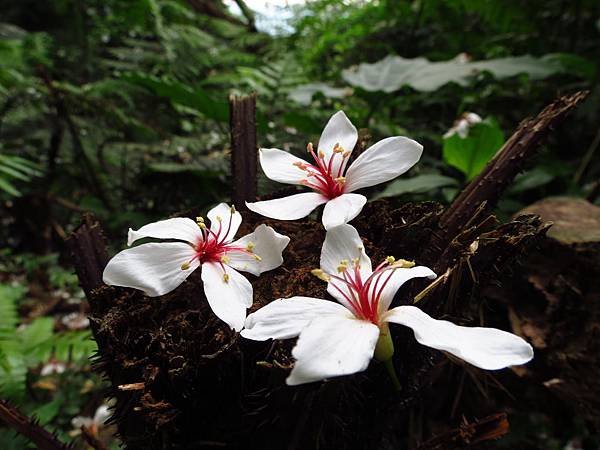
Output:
x=242 y=120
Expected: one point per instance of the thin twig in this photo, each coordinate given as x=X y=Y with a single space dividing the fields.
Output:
x=587 y=158
x=248 y=14
x=30 y=428
x=91 y=439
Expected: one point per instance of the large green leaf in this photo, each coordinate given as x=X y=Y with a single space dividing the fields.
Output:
x=394 y=72
x=416 y=185
x=532 y=179
x=471 y=153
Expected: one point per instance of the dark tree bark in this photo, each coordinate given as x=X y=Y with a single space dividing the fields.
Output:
x=243 y=149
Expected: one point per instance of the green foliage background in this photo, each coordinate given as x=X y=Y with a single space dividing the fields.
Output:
x=119 y=107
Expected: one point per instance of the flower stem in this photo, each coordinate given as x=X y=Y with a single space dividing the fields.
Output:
x=389 y=365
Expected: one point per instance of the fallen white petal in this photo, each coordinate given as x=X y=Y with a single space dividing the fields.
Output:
x=279 y=166
x=397 y=279
x=286 y=317
x=382 y=162
x=227 y=299
x=267 y=248
x=180 y=228
x=221 y=227
x=293 y=207
x=342 y=209
x=486 y=348
x=154 y=268
x=339 y=130
x=332 y=346
x=344 y=243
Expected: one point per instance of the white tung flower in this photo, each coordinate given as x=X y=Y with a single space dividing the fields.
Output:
x=463 y=125
x=93 y=424
x=342 y=338
x=332 y=181
x=159 y=267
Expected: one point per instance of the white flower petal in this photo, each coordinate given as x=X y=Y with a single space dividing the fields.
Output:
x=229 y=223
x=486 y=348
x=382 y=162
x=279 y=166
x=154 y=268
x=342 y=209
x=293 y=207
x=344 y=243
x=180 y=228
x=286 y=317
x=101 y=415
x=333 y=346
x=267 y=245
x=82 y=421
x=397 y=279
x=228 y=299
x=339 y=130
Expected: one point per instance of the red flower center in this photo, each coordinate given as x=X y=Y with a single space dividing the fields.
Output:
x=363 y=295
x=213 y=246
x=322 y=176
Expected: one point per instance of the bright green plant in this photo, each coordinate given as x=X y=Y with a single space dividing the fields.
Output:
x=26 y=347
x=471 y=153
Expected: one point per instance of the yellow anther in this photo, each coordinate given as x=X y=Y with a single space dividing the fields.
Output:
x=338 y=149
x=200 y=219
x=404 y=264
x=320 y=274
x=474 y=246
x=309 y=147
x=232 y=209
x=256 y=257
x=250 y=246
x=390 y=260
x=226 y=278
x=219 y=219
x=343 y=266
x=321 y=154
x=202 y=225
x=225 y=259
x=346 y=154
x=185 y=266
x=356 y=262
x=340 y=180
x=300 y=165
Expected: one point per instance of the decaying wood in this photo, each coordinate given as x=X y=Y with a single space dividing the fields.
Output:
x=88 y=250
x=30 y=428
x=470 y=433
x=561 y=317
x=485 y=190
x=243 y=149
